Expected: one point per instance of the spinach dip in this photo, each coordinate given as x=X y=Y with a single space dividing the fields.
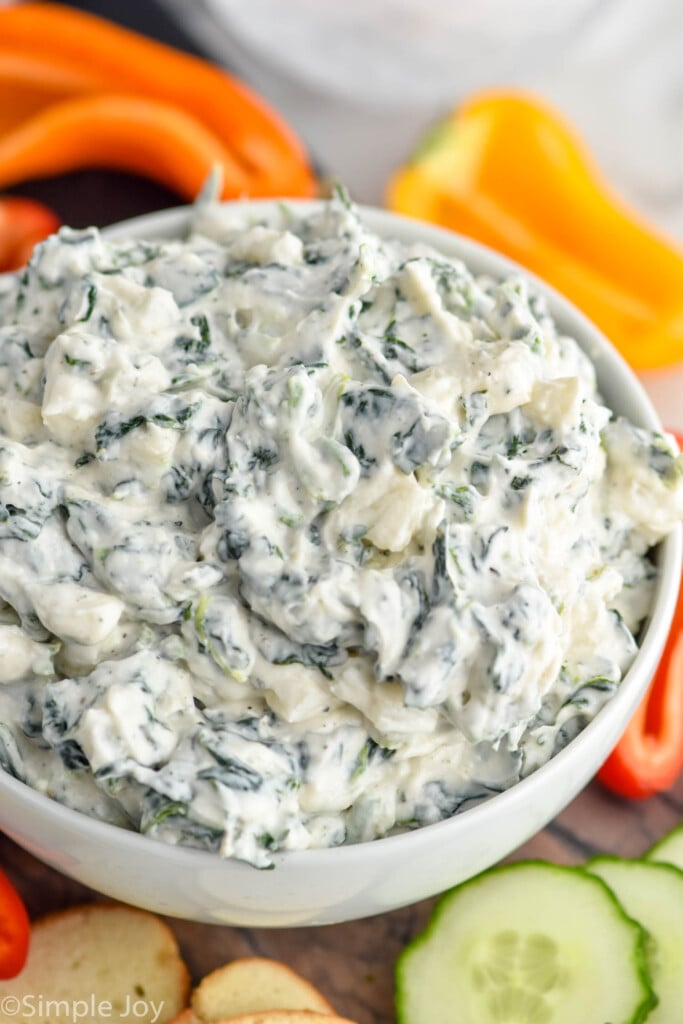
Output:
x=306 y=537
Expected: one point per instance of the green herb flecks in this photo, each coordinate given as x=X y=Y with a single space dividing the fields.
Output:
x=107 y=433
x=80 y=363
x=91 y=299
x=371 y=752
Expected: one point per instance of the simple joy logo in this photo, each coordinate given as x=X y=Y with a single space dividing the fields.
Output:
x=73 y=1011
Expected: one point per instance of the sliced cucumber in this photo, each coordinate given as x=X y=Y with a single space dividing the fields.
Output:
x=669 y=850
x=528 y=943
x=653 y=894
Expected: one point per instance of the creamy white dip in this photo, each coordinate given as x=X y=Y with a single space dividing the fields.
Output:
x=305 y=536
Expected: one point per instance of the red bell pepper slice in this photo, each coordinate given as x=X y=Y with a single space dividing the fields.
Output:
x=14 y=930
x=649 y=756
x=23 y=223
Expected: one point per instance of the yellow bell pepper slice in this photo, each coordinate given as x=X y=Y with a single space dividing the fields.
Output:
x=506 y=170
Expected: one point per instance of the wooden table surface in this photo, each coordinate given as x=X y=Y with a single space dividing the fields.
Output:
x=353 y=963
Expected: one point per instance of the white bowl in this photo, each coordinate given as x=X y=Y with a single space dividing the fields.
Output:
x=347 y=882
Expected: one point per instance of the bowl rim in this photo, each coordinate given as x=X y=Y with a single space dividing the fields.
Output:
x=169 y=224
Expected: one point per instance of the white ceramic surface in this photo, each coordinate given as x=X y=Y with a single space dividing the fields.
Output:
x=324 y=886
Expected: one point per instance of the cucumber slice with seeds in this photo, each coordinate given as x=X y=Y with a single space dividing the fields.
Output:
x=653 y=894
x=668 y=850
x=527 y=943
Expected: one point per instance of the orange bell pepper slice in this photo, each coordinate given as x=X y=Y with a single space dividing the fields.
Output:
x=123 y=132
x=29 y=83
x=649 y=756
x=14 y=930
x=122 y=61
